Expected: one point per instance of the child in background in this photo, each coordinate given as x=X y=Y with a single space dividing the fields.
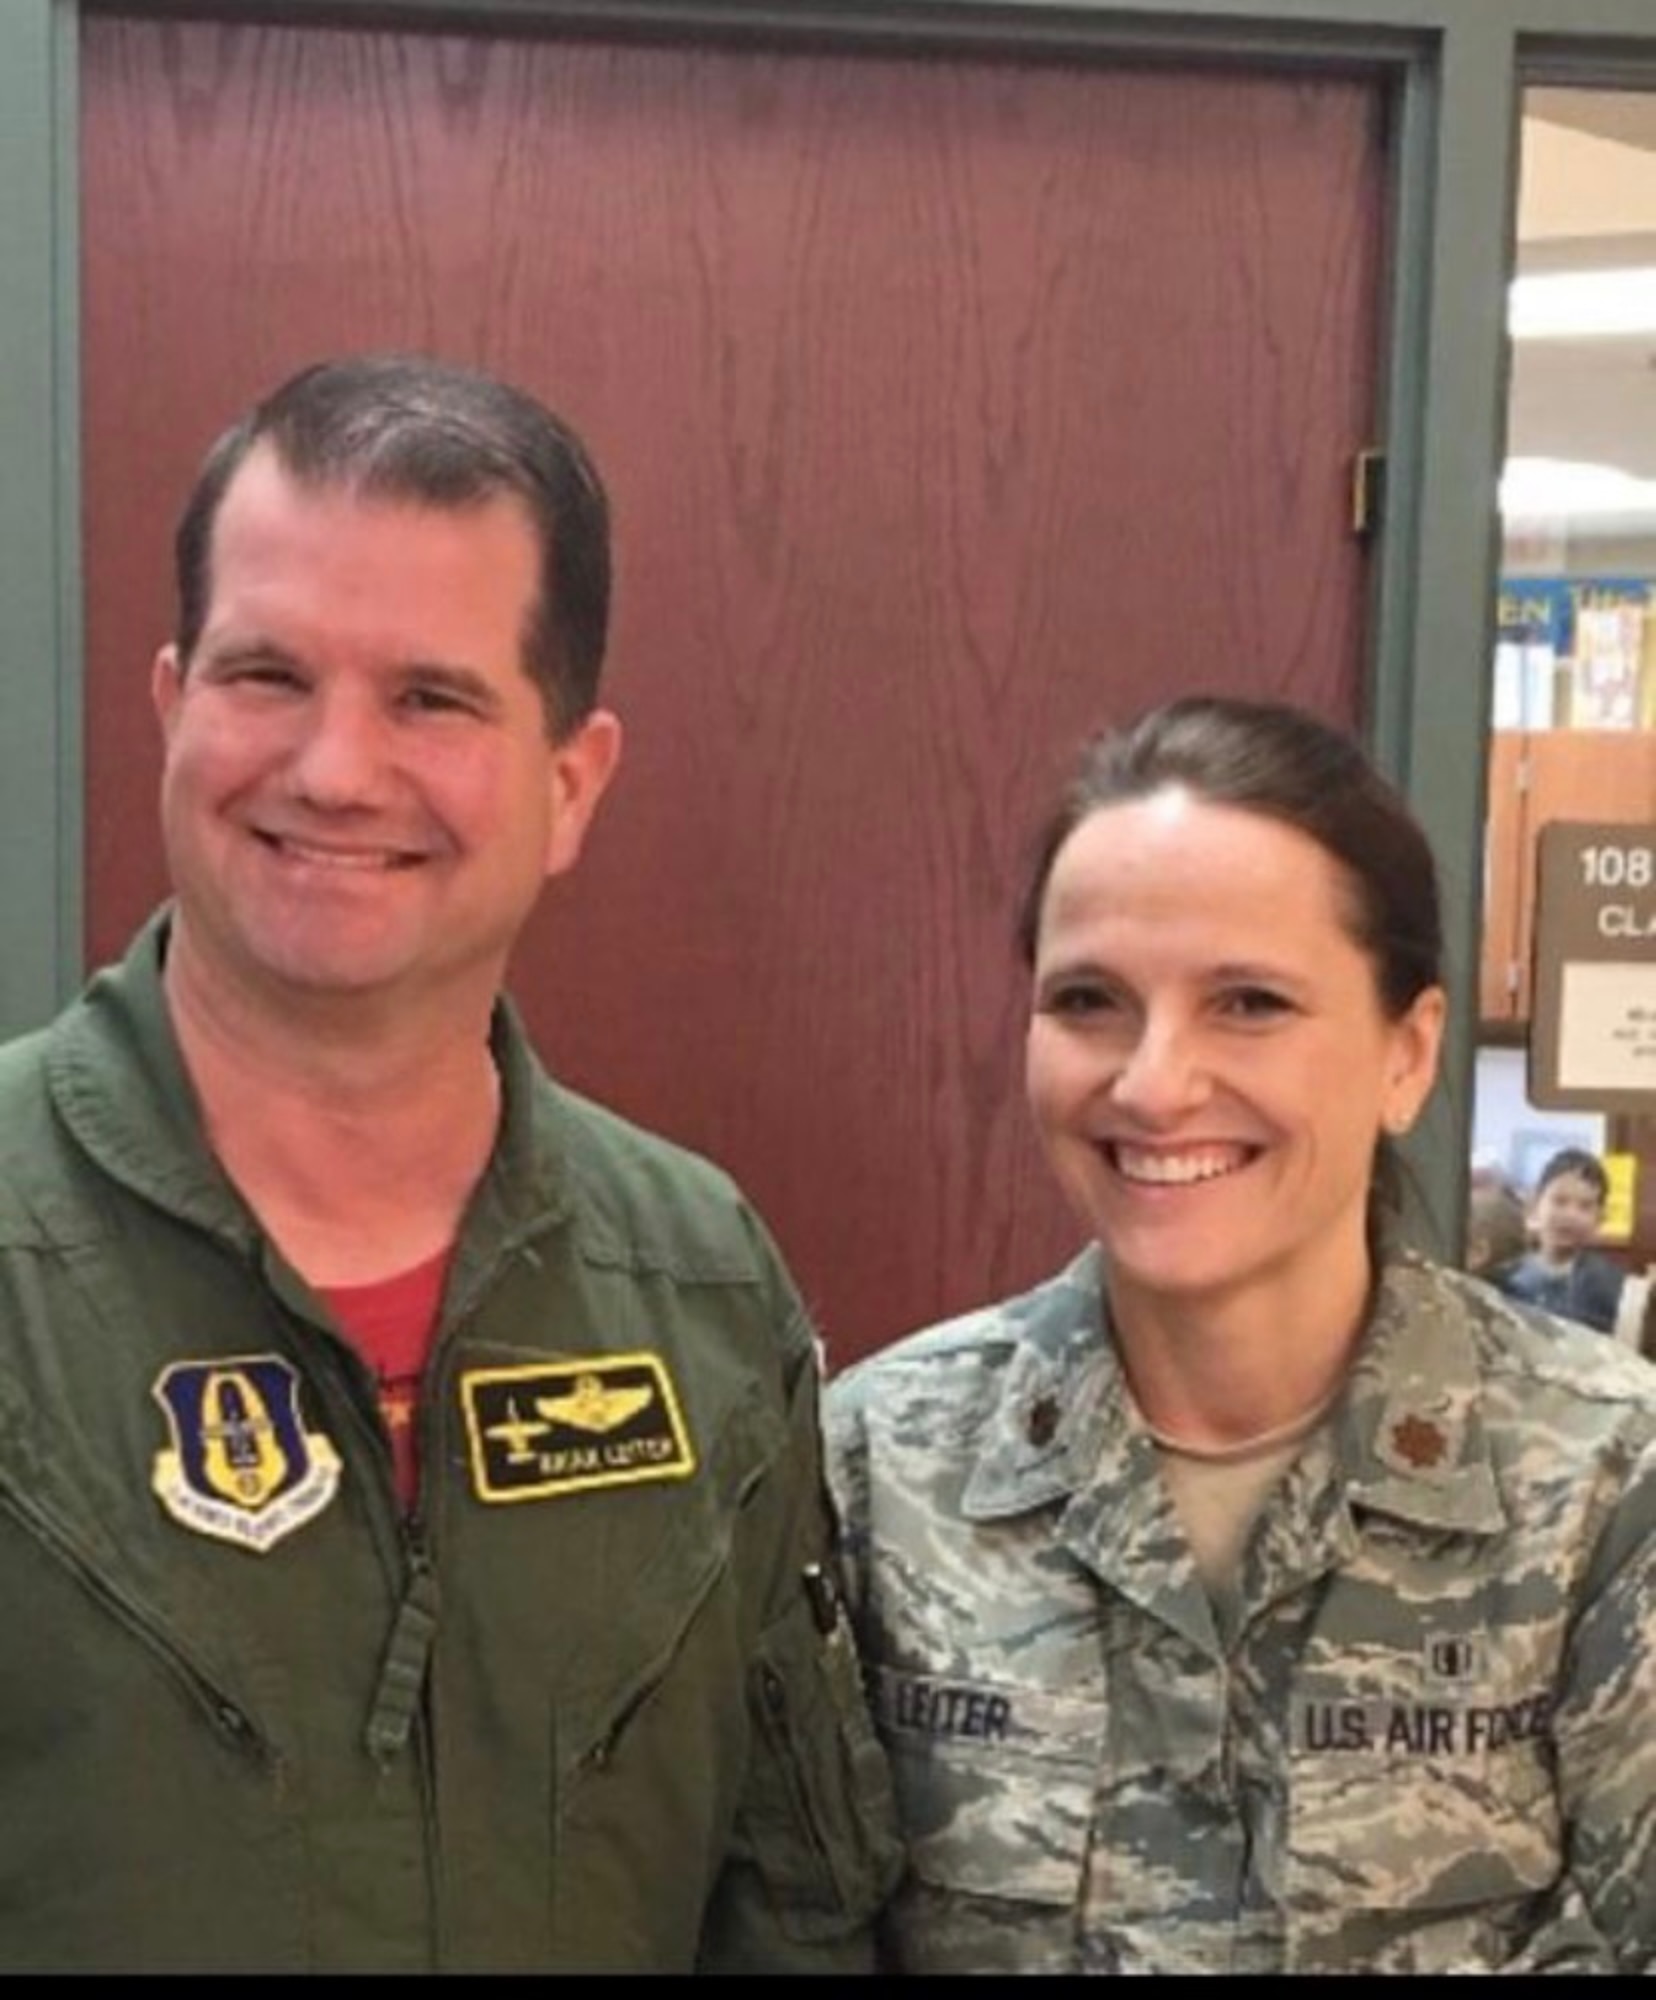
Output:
x=1562 y=1273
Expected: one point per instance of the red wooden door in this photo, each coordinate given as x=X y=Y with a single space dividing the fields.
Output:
x=950 y=408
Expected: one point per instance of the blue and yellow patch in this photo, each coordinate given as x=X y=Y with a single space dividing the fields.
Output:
x=241 y=1466
x=566 y=1427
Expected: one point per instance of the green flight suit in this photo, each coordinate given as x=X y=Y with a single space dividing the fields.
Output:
x=592 y=1708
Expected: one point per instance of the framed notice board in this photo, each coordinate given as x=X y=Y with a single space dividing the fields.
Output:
x=1592 y=1043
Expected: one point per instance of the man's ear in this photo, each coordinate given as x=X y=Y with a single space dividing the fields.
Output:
x=580 y=767
x=166 y=685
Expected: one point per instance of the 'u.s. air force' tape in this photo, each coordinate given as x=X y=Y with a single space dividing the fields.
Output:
x=539 y=1432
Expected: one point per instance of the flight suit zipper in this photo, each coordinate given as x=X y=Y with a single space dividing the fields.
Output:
x=400 y=1690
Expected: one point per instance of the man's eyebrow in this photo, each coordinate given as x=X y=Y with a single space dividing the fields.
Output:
x=245 y=652
x=465 y=683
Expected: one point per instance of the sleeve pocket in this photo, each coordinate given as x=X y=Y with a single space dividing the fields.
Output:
x=820 y=1818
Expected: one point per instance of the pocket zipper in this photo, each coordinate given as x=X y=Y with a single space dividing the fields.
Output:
x=228 y=1717
x=777 y=1711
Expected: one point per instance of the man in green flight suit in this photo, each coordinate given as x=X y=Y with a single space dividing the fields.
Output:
x=411 y=1515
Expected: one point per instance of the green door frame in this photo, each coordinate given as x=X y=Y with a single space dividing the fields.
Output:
x=1454 y=70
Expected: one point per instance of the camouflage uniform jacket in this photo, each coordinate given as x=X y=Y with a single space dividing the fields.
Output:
x=1430 y=1742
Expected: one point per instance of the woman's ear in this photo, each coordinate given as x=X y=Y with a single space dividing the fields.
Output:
x=1411 y=1070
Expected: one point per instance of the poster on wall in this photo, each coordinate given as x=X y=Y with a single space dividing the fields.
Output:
x=1621 y=1200
x=1575 y=653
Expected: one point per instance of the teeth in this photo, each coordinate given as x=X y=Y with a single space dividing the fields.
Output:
x=1177 y=1169
x=328 y=857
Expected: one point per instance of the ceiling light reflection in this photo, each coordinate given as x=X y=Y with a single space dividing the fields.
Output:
x=1544 y=489
x=1562 y=305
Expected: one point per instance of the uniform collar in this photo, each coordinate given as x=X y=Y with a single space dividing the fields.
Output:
x=1411 y=1432
x=1064 y=1431
x=1408 y=1435
x=1059 y=1393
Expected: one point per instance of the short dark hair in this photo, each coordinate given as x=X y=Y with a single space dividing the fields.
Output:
x=1582 y=1164
x=1283 y=763
x=404 y=427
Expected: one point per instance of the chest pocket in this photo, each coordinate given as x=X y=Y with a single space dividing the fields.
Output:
x=1427 y=1824
x=995 y=1785
x=995 y=1782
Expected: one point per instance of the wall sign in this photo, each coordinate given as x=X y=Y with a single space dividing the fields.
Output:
x=1593 y=1033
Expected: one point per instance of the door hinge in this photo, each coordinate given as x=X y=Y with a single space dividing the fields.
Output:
x=1368 y=490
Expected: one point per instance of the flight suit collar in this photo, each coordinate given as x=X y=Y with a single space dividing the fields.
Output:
x=118 y=1080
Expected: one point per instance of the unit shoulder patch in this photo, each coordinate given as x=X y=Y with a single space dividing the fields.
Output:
x=241 y=1466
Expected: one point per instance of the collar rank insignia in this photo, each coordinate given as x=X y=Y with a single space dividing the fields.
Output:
x=566 y=1427
x=241 y=1466
x=1419 y=1442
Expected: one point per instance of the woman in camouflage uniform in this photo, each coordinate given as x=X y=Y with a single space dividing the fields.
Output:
x=1254 y=1595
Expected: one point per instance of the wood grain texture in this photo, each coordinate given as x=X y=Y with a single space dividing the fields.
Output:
x=949 y=408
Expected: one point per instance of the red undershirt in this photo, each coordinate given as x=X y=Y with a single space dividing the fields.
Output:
x=390 y=1323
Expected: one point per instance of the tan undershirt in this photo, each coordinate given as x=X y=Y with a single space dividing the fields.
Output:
x=1218 y=1491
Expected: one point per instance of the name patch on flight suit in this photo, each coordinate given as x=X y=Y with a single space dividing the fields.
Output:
x=241 y=1466
x=566 y=1427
